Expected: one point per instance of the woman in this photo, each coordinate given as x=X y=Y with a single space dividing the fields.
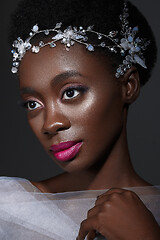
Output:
x=77 y=84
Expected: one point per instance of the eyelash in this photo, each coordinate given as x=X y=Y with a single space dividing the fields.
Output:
x=79 y=89
x=25 y=104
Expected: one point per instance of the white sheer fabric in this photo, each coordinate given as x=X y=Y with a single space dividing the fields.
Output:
x=26 y=213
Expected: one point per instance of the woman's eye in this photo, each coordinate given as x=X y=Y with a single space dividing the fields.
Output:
x=71 y=93
x=32 y=105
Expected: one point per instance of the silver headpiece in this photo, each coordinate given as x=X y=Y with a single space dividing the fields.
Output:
x=129 y=45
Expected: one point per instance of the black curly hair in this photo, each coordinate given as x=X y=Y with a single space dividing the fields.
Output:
x=103 y=14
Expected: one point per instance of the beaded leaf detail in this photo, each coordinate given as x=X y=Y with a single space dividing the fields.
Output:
x=129 y=45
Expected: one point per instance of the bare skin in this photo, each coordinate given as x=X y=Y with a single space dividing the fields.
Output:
x=119 y=214
x=96 y=114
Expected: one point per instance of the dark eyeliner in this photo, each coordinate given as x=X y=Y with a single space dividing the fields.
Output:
x=81 y=89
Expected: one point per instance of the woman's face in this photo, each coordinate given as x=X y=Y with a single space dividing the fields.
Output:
x=72 y=96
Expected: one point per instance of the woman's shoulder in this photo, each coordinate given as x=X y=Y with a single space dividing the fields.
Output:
x=50 y=185
x=55 y=184
x=41 y=186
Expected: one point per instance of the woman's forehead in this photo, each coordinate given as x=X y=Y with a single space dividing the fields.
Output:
x=49 y=62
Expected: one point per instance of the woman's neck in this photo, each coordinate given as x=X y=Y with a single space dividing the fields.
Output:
x=115 y=171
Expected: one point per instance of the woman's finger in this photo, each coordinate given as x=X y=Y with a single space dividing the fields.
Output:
x=107 y=195
x=112 y=190
x=91 y=235
x=93 y=211
x=86 y=226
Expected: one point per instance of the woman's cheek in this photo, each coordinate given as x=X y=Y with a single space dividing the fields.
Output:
x=80 y=112
x=36 y=124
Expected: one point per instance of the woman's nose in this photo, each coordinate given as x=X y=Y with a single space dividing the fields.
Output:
x=55 y=121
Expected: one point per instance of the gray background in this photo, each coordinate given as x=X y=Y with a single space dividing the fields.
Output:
x=22 y=154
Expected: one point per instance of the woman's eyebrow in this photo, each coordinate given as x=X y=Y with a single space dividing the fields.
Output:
x=27 y=90
x=65 y=75
x=58 y=78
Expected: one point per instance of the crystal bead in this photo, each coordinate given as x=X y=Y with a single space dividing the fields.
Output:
x=129 y=58
x=125 y=62
x=118 y=70
x=123 y=40
x=90 y=47
x=27 y=45
x=122 y=53
x=78 y=36
x=41 y=44
x=35 y=49
x=135 y=29
x=31 y=34
x=130 y=39
x=90 y=28
x=137 y=40
x=15 y=64
x=68 y=44
x=99 y=37
x=112 y=49
x=46 y=32
x=20 y=42
x=113 y=33
x=21 y=51
x=64 y=40
x=117 y=75
x=14 y=70
x=35 y=28
x=102 y=44
x=130 y=51
x=52 y=45
x=13 y=51
x=58 y=25
x=15 y=55
x=126 y=9
x=85 y=38
x=138 y=49
x=80 y=28
x=15 y=43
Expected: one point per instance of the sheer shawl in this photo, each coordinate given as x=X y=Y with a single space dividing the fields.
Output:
x=26 y=213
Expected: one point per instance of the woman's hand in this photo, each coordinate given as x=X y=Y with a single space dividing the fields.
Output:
x=119 y=214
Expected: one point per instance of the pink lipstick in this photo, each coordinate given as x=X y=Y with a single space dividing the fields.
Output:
x=65 y=151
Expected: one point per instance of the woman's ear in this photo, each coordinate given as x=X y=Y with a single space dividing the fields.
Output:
x=130 y=85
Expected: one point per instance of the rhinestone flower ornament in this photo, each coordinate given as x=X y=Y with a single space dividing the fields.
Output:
x=129 y=44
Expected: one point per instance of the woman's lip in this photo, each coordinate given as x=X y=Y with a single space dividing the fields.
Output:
x=62 y=146
x=66 y=151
